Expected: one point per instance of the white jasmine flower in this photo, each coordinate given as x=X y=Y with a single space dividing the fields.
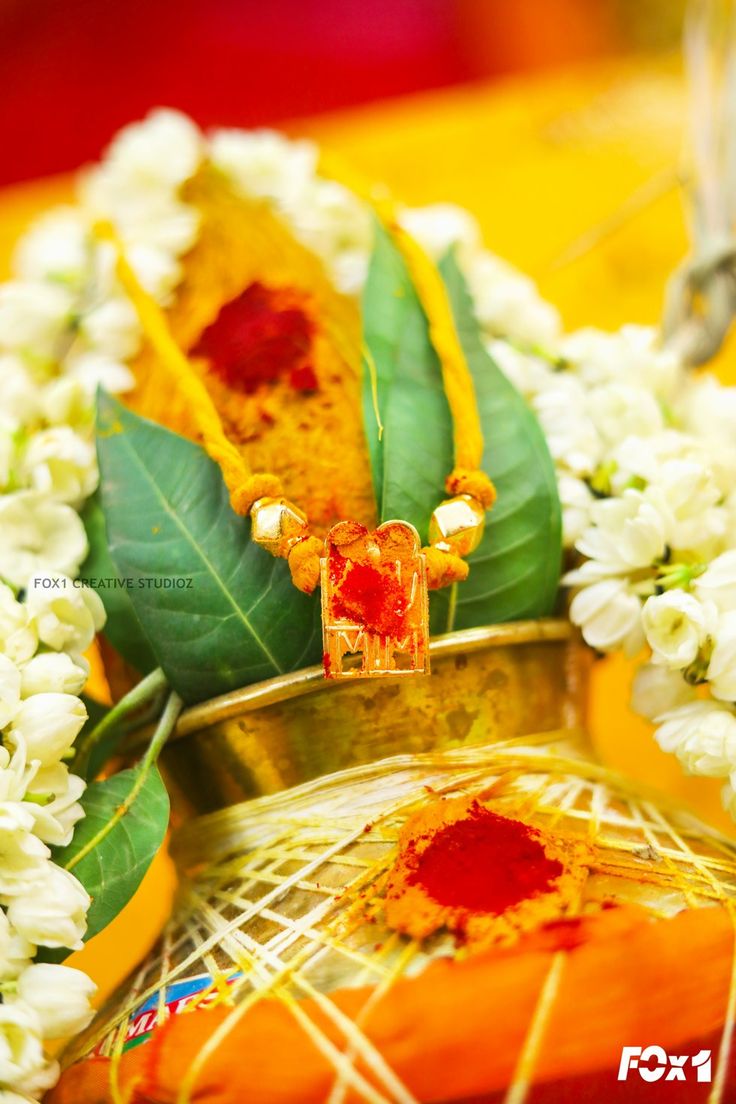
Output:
x=689 y=491
x=54 y=912
x=330 y=219
x=61 y=790
x=702 y=735
x=348 y=270
x=718 y=582
x=20 y=392
x=676 y=626
x=33 y=315
x=90 y=370
x=38 y=535
x=627 y=532
x=649 y=362
x=18 y=636
x=609 y=616
x=708 y=410
x=55 y=672
x=159 y=221
x=15 y=953
x=23 y=857
x=57 y=247
x=571 y=436
x=61 y=464
x=441 y=227
x=632 y=353
x=10 y=682
x=158 y=272
x=576 y=501
x=47 y=725
x=264 y=164
x=8 y=454
x=67 y=614
x=728 y=795
x=618 y=410
x=59 y=995
x=113 y=328
x=529 y=374
x=657 y=690
x=63 y=401
x=159 y=153
x=21 y=1050
x=36 y=1084
x=15 y=774
x=507 y=303
x=722 y=666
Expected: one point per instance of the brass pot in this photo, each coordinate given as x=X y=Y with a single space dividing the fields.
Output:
x=486 y=684
x=296 y=800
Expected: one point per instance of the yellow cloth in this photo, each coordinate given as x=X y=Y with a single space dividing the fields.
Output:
x=545 y=164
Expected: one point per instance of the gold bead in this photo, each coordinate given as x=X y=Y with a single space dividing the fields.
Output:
x=277 y=525
x=457 y=525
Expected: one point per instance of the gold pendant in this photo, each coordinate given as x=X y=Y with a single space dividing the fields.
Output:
x=375 y=603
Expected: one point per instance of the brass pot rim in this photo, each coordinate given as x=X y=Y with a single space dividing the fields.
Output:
x=307 y=680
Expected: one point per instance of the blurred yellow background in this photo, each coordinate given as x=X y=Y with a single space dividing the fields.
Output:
x=573 y=177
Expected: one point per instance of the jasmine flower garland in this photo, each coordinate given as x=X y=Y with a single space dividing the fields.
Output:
x=64 y=329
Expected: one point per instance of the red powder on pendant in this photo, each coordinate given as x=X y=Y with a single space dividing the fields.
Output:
x=369 y=596
x=260 y=337
x=483 y=863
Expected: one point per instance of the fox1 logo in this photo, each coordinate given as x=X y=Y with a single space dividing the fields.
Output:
x=653 y=1063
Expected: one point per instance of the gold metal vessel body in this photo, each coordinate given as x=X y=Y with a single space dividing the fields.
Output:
x=487 y=684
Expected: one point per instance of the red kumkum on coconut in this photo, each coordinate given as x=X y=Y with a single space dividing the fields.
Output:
x=262 y=336
x=486 y=877
x=484 y=863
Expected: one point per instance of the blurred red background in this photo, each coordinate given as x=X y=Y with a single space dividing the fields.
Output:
x=74 y=71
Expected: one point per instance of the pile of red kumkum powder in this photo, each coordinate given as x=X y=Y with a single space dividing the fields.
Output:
x=260 y=337
x=487 y=878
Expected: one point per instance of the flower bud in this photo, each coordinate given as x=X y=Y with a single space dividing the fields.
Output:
x=703 y=737
x=722 y=666
x=47 y=725
x=10 y=681
x=53 y=912
x=38 y=535
x=61 y=464
x=52 y=672
x=59 y=995
x=67 y=615
x=718 y=582
x=609 y=616
x=21 y=1051
x=18 y=636
x=676 y=625
x=657 y=690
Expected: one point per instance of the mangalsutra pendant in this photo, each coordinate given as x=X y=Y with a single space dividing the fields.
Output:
x=375 y=604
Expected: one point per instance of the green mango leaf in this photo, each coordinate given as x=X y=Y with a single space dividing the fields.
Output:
x=113 y=868
x=219 y=611
x=413 y=456
x=514 y=573
x=122 y=628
